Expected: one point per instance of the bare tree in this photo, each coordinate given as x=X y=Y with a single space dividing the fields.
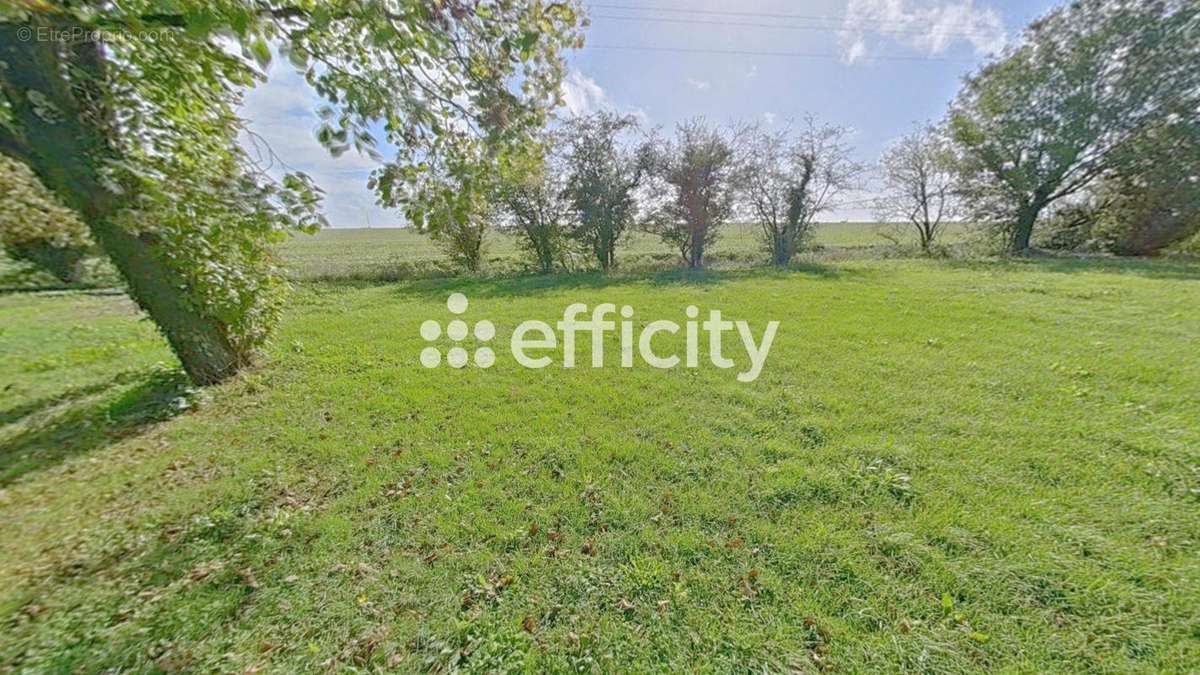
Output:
x=697 y=174
x=789 y=177
x=919 y=179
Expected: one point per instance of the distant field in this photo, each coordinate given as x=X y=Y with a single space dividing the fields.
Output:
x=395 y=253
x=389 y=254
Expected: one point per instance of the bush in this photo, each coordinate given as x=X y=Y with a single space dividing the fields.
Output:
x=1070 y=228
x=64 y=262
x=697 y=176
x=1152 y=197
x=36 y=227
x=532 y=195
x=603 y=174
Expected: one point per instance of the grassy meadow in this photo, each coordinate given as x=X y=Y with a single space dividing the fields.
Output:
x=945 y=466
x=394 y=254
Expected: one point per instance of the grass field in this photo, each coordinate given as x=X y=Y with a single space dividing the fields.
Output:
x=392 y=254
x=944 y=467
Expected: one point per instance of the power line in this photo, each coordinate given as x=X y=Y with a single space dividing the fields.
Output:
x=746 y=52
x=747 y=24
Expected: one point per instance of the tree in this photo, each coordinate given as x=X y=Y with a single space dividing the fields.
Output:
x=126 y=112
x=919 y=180
x=464 y=241
x=1040 y=125
x=791 y=177
x=698 y=174
x=1149 y=204
x=456 y=207
x=603 y=175
x=533 y=196
x=36 y=228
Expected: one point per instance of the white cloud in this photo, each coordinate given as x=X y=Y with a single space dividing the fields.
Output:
x=581 y=95
x=752 y=72
x=769 y=117
x=856 y=51
x=280 y=113
x=698 y=85
x=639 y=114
x=930 y=29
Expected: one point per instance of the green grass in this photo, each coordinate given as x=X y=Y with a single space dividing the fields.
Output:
x=944 y=467
x=391 y=254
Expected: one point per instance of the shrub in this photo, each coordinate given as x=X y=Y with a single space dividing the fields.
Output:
x=603 y=175
x=789 y=178
x=36 y=227
x=697 y=173
x=536 y=208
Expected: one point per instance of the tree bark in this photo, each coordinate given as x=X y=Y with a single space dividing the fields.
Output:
x=65 y=145
x=1023 y=228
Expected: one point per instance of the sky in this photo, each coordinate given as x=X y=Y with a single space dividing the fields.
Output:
x=877 y=66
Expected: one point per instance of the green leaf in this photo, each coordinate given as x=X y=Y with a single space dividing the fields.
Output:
x=261 y=52
x=200 y=23
x=526 y=43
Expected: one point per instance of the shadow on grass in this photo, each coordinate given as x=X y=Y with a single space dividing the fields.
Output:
x=533 y=285
x=17 y=413
x=1178 y=269
x=88 y=418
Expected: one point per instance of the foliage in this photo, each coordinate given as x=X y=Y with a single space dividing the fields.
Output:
x=141 y=114
x=1151 y=198
x=1148 y=201
x=456 y=85
x=36 y=227
x=919 y=180
x=532 y=192
x=458 y=208
x=791 y=177
x=698 y=174
x=464 y=242
x=603 y=175
x=1070 y=227
x=1041 y=124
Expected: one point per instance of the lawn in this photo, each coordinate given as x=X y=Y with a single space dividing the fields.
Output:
x=944 y=467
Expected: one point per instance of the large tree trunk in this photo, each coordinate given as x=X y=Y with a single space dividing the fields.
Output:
x=782 y=252
x=1023 y=228
x=65 y=148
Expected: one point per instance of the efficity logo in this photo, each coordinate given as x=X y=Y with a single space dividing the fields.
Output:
x=537 y=344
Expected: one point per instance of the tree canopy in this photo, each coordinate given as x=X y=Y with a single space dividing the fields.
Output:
x=1041 y=123
x=127 y=113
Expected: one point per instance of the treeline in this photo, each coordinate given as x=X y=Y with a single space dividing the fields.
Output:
x=592 y=180
x=1083 y=135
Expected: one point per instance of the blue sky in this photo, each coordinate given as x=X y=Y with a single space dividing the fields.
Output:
x=877 y=66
